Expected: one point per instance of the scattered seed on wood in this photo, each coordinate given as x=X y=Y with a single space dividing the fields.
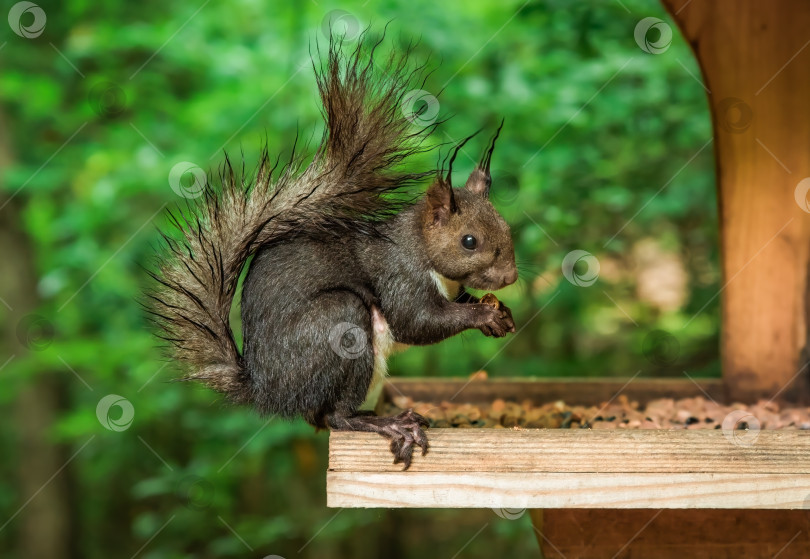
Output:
x=663 y=413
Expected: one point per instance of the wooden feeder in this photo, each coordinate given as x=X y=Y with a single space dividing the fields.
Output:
x=674 y=493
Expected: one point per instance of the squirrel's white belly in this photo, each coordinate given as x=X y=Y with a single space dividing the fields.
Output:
x=384 y=346
x=383 y=341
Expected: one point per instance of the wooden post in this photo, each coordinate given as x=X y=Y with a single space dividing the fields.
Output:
x=673 y=534
x=755 y=61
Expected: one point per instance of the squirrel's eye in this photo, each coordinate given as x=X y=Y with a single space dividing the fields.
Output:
x=469 y=242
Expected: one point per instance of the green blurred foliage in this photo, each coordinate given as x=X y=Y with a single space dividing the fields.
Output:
x=604 y=150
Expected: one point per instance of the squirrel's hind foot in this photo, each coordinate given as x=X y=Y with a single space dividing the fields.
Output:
x=404 y=431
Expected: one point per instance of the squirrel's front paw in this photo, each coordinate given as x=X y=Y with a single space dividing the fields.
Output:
x=506 y=313
x=498 y=320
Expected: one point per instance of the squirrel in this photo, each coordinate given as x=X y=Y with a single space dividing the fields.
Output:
x=343 y=267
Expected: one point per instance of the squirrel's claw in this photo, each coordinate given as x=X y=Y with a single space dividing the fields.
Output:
x=404 y=431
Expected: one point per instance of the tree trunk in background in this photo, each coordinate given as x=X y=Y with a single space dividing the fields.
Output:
x=43 y=526
x=755 y=57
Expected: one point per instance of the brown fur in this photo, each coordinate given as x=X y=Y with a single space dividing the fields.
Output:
x=491 y=265
x=450 y=214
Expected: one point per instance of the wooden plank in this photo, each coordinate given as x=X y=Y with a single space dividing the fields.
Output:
x=538 y=390
x=552 y=491
x=673 y=533
x=754 y=58
x=580 y=451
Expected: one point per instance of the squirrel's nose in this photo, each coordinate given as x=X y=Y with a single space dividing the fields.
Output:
x=511 y=277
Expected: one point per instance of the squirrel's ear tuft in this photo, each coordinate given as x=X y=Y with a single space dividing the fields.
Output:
x=480 y=179
x=479 y=182
x=441 y=202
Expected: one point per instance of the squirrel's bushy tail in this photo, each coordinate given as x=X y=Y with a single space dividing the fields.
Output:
x=357 y=163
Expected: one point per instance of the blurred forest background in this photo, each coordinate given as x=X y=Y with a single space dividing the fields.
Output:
x=606 y=149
